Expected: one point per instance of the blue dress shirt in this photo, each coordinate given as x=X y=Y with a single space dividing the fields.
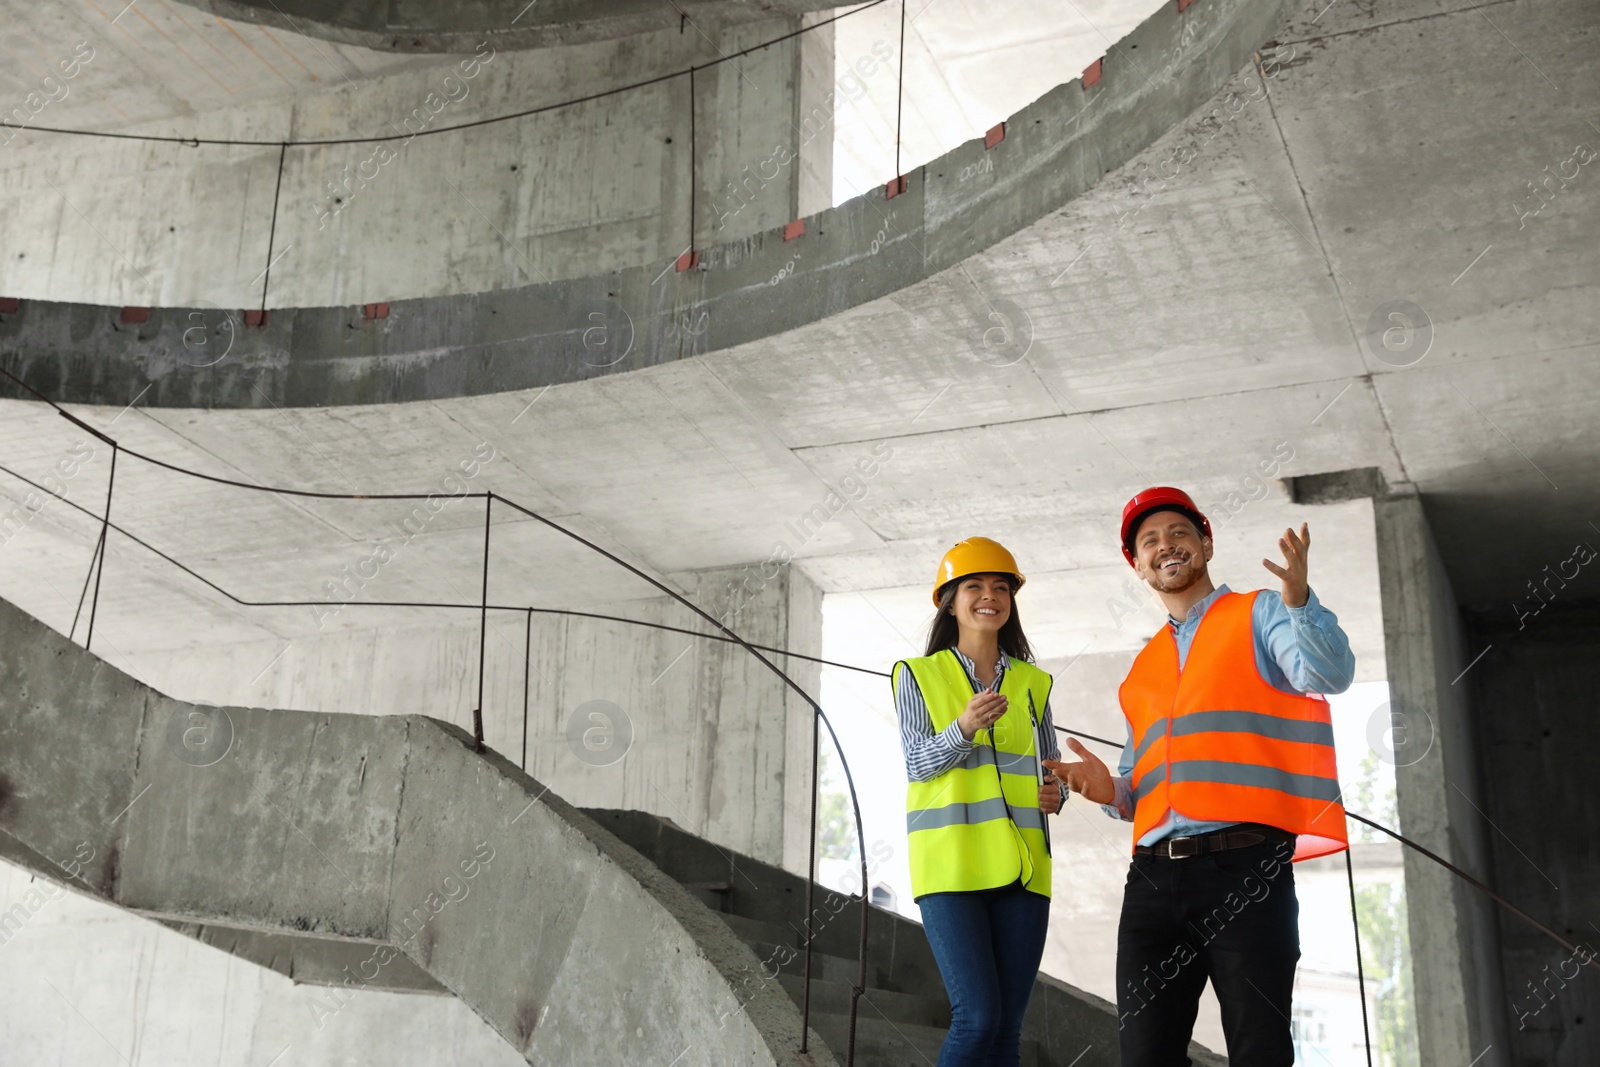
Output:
x=1298 y=650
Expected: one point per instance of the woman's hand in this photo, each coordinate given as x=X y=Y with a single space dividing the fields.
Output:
x=1050 y=795
x=1089 y=776
x=982 y=712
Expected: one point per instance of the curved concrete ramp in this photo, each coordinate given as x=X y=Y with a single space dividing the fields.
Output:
x=505 y=340
x=383 y=850
x=454 y=27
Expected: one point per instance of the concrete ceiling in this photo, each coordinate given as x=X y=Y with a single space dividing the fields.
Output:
x=1186 y=336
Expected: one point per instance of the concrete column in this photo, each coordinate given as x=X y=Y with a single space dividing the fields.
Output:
x=1453 y=929
x=817 y=92
x=720 y=745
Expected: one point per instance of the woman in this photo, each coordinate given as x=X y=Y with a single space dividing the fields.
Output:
x=974 y=719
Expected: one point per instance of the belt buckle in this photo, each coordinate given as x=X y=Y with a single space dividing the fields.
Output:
x=1172 y=847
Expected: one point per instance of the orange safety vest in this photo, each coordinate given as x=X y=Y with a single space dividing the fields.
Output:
x=1216 y=742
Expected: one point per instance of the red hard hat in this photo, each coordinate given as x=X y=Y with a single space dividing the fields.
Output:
x=1160 y=498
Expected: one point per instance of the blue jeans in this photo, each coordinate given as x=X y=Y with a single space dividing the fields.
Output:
x=988 y=944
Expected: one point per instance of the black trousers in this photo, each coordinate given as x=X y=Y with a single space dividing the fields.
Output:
x=1228 y=916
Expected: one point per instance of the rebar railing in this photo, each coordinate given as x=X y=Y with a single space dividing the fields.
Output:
x=820 y=718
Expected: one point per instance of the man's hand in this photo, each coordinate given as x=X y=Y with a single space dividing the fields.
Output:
x=982 y=712
x=1050 y=795
x=1296 y=587
x=1088 y=777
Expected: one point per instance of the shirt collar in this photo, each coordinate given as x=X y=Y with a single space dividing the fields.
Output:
x=972 y=671
x=1199 y=609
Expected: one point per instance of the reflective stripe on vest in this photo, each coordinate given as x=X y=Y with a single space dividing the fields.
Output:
x=978 y=825
x=1216 y=742
x=968 y=814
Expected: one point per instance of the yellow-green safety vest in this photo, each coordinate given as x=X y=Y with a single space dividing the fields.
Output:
x=979 y=825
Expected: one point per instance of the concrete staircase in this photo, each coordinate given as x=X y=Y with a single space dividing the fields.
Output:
x=370 y=852
x=904 y=1013
x=383 y=852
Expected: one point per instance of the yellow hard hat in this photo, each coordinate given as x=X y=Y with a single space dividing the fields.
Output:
x=975 y=555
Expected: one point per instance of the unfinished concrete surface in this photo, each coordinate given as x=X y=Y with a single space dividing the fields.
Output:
x=570 y=699
x=601 y=243
x=457 y=27
x=1238 y=296
x=387 y=832
x=904 y=1012
x=1534 y=697
x=603 y=185
x=1437 y=768
x=123 y=974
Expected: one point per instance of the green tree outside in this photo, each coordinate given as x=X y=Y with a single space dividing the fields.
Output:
x=836 y=824
x=1381 y=910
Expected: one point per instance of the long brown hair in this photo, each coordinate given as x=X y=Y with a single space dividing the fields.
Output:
x=945 y=631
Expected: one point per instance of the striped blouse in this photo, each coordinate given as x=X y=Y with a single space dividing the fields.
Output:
x=930 y=754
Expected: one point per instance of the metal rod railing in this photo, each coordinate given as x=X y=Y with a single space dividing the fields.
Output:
x=483 y=622
x=1361 y=976
x=819 y=716
x=100 y=568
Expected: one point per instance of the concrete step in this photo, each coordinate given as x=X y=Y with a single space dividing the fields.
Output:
x=763 y=904
x=834 y=998
x=766 y=932
x=830 y=968
x=880 y=1043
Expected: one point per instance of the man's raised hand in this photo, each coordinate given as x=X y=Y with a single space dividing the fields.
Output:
x=1296 y=585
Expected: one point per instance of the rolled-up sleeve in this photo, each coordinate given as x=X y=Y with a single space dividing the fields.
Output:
x=1306 y=644
x=928 y=754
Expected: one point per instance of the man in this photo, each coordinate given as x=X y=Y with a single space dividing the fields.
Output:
x=1228 y=772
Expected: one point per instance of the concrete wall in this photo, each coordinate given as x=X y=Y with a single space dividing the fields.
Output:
x=1536 y=701
x=1437 y=779
x=569 y=193
x=692 y=730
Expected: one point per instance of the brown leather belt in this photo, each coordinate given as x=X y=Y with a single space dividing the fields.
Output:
x=1241 y=836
